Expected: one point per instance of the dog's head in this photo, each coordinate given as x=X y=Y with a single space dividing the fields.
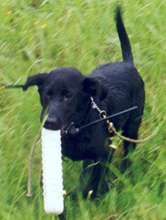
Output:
x=65 y=95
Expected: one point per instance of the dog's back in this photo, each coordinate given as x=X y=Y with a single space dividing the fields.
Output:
x=122 y=79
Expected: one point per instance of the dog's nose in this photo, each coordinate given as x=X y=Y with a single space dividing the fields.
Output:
x=52 y=123
x=52 y=120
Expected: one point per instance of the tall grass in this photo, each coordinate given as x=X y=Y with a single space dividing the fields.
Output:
x=37 y=36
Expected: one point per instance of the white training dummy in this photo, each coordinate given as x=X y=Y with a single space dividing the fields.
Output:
x=52 y=171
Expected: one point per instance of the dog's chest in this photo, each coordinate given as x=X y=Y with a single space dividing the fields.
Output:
x=89 y=145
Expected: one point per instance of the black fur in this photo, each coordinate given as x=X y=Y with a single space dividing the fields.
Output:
x=66 y=93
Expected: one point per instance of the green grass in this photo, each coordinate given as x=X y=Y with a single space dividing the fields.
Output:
x=37 y=36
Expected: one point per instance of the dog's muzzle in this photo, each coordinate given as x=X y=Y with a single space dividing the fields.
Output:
x=52 y=124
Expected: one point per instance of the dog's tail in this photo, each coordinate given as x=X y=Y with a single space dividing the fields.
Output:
x=124 y=40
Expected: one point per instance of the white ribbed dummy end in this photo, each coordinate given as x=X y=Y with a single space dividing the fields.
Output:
x=52 y=172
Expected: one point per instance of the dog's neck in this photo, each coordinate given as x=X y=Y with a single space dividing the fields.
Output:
x=94 y=112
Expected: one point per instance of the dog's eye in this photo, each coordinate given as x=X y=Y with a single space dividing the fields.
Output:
x=50 y=93
x=66 y=95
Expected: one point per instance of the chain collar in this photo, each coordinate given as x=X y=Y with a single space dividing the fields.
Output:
x=102 y=113
x=73 y=130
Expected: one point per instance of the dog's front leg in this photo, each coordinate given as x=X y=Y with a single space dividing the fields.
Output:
x=62 y=216
x=94 y=179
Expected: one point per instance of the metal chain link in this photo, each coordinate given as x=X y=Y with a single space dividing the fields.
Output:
x=112 y=130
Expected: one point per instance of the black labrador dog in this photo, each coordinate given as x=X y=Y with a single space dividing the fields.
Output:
x=67 y=95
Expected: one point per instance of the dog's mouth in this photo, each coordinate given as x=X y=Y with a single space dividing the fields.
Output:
x=52 y=125
x=57 y=125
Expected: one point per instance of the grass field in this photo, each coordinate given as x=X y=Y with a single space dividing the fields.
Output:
x=37 y=36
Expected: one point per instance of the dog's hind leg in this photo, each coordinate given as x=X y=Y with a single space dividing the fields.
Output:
x=130 y=130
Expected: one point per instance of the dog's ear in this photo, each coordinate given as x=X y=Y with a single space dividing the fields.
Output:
x=94 y=88
x=35 y=80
